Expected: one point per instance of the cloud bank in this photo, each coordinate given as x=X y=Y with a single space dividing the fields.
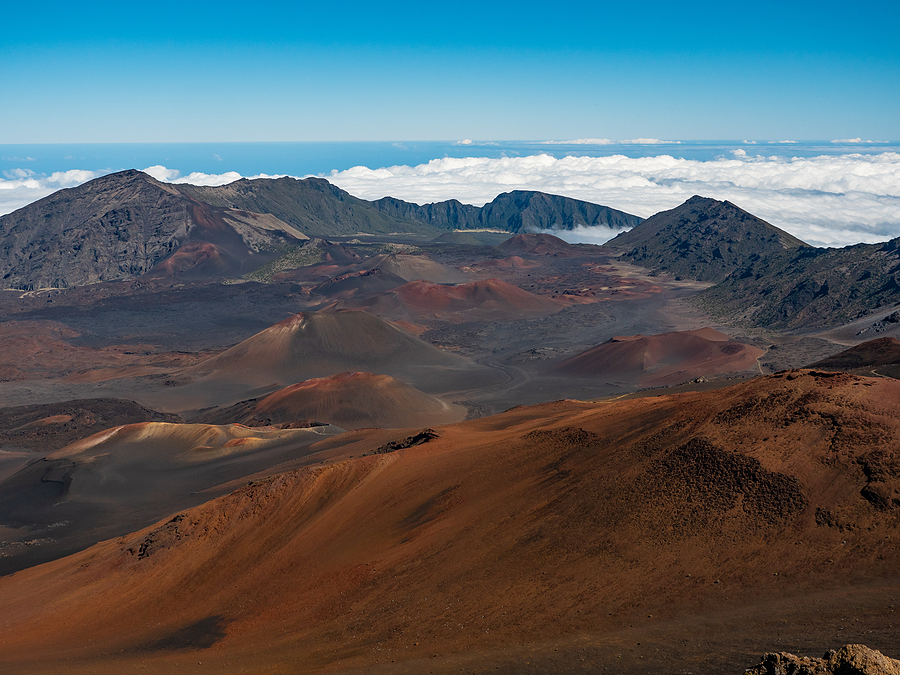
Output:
x=827 y=201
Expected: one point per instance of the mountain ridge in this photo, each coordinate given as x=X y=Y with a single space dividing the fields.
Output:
x=703 y=239
x=127 y=224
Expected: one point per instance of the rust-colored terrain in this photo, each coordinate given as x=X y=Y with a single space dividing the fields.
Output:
x=565 y=536
x=268 y=446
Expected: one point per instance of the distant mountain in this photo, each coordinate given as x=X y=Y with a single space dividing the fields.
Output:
x=128 y=224
x=703 y=239
x=516 y=211
x=810 y=287
x=312 y=205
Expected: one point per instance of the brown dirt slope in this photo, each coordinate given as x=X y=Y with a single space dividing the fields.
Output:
x=321 y=344
x=665 y=359
x=534 y=535
x=128 y=476
x=347 y=400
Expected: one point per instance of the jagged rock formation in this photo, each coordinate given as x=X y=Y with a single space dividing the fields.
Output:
x=848 y=660
x=703 y=239
x=516 y=211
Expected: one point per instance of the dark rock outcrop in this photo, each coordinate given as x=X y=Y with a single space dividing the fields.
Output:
x=702 y=239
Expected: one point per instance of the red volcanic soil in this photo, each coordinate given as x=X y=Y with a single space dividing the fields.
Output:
x=665 y=359
x=348 y=400
x=489 y=300
x=198 y=257
x=538 y=244
x=665 y=534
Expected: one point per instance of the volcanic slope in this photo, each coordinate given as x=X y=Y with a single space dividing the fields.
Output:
x=489 y=300
x=128 y=476
x=320 y=344
x=561 y=534
x=703 y=239
x=126 y=224
x=880 y=356
x=807 y=288
x=347 y=400
x=413 y=267
x=665 y=359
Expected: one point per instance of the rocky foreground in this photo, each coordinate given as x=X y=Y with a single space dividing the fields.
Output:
x=848 y=660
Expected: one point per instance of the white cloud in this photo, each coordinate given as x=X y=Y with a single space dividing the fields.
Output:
x=606 y=141
x=782 y=142
x=739 y=153
x=465 y=141
x=848 y=141
x=828 y=200
x=165 y=175
x=582 y=234
x=24 y=186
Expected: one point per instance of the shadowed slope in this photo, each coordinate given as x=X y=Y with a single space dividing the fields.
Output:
x=880 y=352
x=348 y=400
x=668 y=358
x=552 y=525
x=128 y=476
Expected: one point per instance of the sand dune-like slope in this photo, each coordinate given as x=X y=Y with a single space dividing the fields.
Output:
x=412 y=267
x=513 y=262
x=130 y=475
x=320 y=344
x=347 y=400
x=665 y=359
x=489 y=300
x=538 y=540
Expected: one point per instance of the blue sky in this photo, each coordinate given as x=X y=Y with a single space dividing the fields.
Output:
x=129 y=72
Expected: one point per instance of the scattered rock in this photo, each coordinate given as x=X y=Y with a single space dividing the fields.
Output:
x=848 y=660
